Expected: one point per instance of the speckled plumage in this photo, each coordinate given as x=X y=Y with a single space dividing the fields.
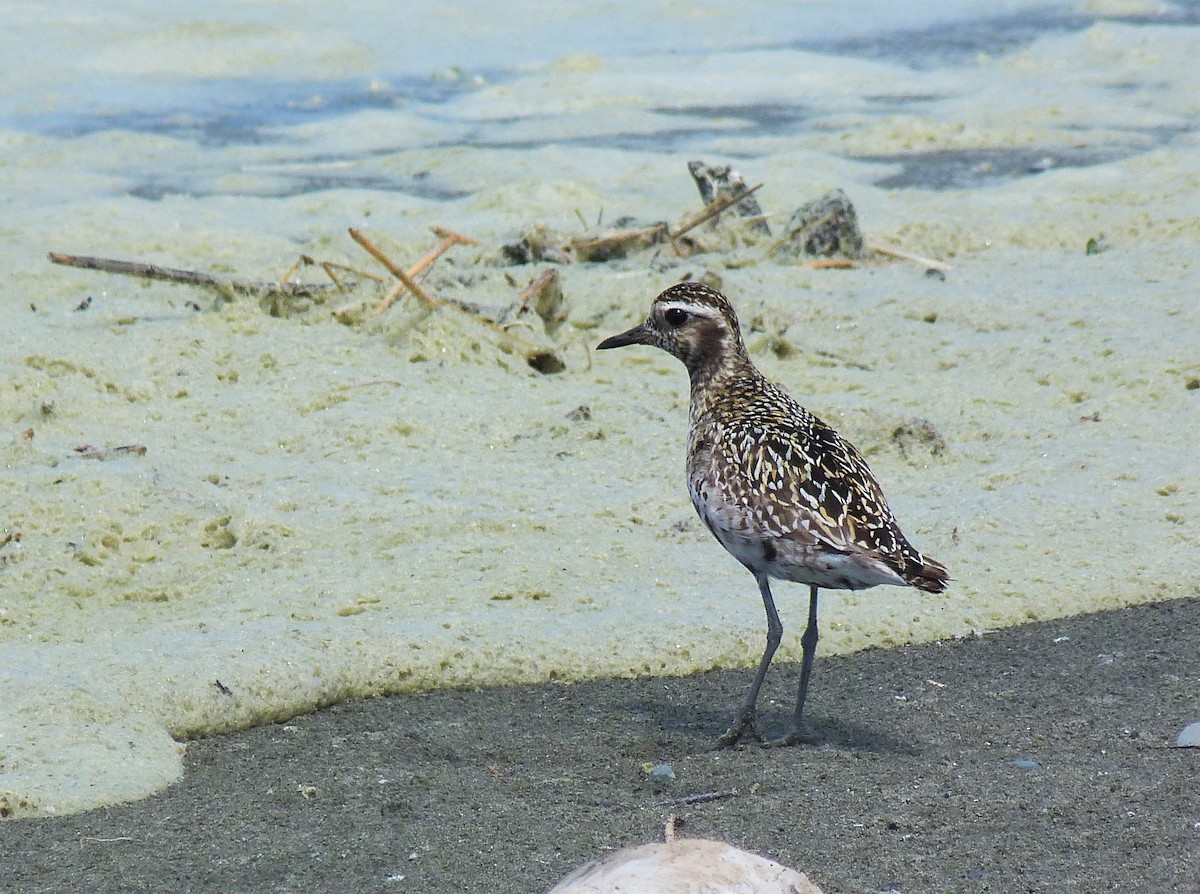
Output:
x=782 y=491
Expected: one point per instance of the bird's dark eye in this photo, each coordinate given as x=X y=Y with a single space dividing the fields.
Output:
x=675 y=317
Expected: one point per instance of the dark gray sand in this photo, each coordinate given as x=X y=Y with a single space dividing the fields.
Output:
x=915 y=790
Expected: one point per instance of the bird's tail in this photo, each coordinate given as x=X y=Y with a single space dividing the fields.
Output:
x=930 y=575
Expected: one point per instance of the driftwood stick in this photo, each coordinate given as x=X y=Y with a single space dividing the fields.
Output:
x=908 y=256
x=690 y=223
x=393 y=294
x=535 y=288
x=329 y=268
x=222 y=284
x=614 y=243
x=715 y=181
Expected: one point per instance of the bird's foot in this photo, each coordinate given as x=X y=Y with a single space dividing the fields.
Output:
x=745 y=723
x=795 y=736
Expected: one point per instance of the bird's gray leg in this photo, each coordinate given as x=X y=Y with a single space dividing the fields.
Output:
x=745 y=715
x=799 y=733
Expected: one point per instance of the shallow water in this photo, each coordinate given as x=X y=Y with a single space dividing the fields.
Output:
x=327 y=510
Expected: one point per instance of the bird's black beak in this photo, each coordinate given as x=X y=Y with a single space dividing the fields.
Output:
x=638 y=335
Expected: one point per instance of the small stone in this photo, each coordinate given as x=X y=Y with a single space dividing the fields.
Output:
x=1022 y=763
x=822 y=228
x=660 y=774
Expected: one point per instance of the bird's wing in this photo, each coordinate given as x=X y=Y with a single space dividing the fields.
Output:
x=798 y=478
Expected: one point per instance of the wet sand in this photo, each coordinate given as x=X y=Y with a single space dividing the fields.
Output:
x=508 y=789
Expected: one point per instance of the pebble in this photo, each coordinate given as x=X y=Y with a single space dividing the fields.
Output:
x=660 y=774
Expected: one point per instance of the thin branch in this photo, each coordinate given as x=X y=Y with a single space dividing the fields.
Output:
x=393 y=268
x=330 y=266
x=704 y=797
x=400 y=274
x=711 y=211
x=909 y=256
x=222 y=284
x=449 y=240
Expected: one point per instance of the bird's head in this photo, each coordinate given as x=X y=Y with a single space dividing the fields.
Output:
x=691 y=321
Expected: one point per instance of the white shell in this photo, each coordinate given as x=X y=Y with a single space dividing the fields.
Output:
x=1189 y=736
x=685 y=866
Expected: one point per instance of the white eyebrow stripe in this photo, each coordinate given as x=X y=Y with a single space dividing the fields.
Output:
x=699 y=310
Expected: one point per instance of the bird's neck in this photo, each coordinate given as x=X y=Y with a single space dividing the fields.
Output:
x=724 y=373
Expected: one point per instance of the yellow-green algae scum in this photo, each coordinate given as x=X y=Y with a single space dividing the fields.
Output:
x=327 y=511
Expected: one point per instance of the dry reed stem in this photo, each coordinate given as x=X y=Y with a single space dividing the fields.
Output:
x=300 y=262
x=435 y=303
x=449 y=239
x=393 y=268
x=930 y=263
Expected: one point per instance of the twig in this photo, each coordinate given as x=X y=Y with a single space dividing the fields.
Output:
x=457 y=237
x=329 y=271
x=330 y=266
x=705 y=797
x=449 y=240
x=690 y=223
x=302 y=261
x=909 y=256
x=831 y=264
x=223 y=284
x=393 y=268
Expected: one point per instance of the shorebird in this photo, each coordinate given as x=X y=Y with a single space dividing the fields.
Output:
x=783 y=492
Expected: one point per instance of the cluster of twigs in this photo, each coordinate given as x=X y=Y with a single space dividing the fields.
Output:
x=543 y=295
x=721 y=188
x=601 y=246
